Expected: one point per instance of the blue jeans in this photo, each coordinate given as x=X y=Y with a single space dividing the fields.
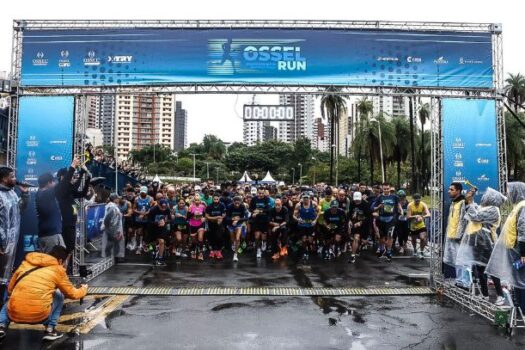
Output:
x=52 y=320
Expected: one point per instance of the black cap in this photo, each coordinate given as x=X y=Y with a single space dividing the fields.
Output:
x=416 y=196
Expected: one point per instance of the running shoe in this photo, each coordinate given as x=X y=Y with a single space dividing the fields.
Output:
x=160 y=262
x=259 y=253
x=284 y=251
x=500 y=301
x=240 y=250
x=52 y=334
x=401 y=251
x=352 y=259
x=389 y=255
x=201 y=257
x=235 y=257
x=178 y=252
x=3 y=332
x=218 y=255
x=212 y=254
x=421 y=255
x=276 y=256
x=263 y=246
x=193 y=254
x=306 y=256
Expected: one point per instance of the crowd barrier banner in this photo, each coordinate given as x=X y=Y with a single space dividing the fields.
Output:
x=45 y=144
x=470 y=146
x=94 y=220
x=104 y=57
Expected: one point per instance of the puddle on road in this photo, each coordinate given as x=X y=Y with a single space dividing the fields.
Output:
x=228 y=306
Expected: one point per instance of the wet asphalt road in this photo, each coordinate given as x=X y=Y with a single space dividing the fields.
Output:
x=232 y=322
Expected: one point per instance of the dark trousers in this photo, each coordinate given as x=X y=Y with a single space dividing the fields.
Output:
x=519 y=296
x=69 y=234
x=215 y=236
x=479 y=272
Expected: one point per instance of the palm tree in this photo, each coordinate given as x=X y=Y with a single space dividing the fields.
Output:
x=364 y=107
x=400 y=151
x=515 y=135
x=387 y=142
x=424 y=114
x=333 y=105
x=515 y=90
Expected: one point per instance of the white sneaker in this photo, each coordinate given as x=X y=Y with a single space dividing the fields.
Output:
x=235 y=258
x=500 y=301
x=177 y=252
x=415 y=253
x=263 y=246
x=259 y=253
x=401 y=250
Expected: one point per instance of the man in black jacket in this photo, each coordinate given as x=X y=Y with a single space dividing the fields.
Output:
x=66 y=191
x=49 y=217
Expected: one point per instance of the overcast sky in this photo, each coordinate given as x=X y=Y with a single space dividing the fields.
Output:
x=220 y=114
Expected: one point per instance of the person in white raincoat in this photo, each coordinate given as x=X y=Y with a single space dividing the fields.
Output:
x=11 y=207
x=510 y=246
x=479 y=238
x=113 y=237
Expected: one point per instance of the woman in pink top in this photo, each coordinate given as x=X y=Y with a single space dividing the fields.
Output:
x=197 y=229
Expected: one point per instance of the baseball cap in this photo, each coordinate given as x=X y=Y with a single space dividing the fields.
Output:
x=358 y=196
x=143 y=189
x=305 y=195
x=416 y=196
x=401 y=193
x=334 y=204
x=253 y=190
x=197 y=188
x=163 y=202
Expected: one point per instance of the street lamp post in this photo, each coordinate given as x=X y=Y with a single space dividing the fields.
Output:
x=207 y=171
x=300 y=173
x=380 y=149
x=313 y=184
x=193 y=154
x=293 y=176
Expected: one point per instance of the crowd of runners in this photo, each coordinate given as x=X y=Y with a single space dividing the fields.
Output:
x=210 y=222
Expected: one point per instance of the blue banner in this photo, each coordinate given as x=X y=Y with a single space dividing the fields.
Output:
x=94 y=220
x=110 y=57
x=470 y=147
x=45 y=144
x=45 y=136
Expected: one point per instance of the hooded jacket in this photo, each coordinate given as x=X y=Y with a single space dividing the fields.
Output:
x=30 y=301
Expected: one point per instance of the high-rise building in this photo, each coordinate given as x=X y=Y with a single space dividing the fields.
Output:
x=107 y=118
x=144 y=120
x=322 y=136
x=101 y=115
x=269 y=132
x=253 y=132
x=180 y=140
x=393 y=106
x=93 y=112
x=304 y=124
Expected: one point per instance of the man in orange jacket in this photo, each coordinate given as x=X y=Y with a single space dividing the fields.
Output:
x=36 y=292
